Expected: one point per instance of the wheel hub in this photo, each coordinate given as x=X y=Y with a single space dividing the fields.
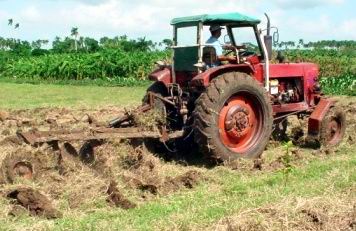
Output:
x=237 y=122
x=240 y=122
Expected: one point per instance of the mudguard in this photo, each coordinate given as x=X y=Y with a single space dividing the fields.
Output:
x=315 y=119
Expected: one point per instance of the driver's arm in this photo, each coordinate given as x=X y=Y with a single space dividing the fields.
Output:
x=230 y=47
x=227 y=58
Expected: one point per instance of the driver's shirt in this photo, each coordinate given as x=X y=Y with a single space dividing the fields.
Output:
x=216 y=44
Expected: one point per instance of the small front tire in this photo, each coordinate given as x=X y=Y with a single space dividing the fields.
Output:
x=333 y=127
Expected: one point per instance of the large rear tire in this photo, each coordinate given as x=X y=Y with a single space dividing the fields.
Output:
x=233 y=118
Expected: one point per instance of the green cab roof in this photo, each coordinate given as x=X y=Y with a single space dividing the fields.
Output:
x=207 y=19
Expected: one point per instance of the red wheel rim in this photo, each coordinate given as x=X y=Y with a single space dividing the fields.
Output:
x=334 y=131
x=240 y=122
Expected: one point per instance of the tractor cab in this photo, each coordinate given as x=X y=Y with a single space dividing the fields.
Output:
x=193 y=56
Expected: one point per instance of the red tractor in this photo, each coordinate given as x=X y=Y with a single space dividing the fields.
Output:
x=230 y=110
x=233 y=108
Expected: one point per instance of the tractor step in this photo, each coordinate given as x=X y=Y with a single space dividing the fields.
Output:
x=39 y=137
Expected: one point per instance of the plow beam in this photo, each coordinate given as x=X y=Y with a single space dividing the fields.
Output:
x=39 y=137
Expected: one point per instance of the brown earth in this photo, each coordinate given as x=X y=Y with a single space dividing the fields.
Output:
x=66 y=171
x=35 y=202
x=119 y=173
x=116 y=198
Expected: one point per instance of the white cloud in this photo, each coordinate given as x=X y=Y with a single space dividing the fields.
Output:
x=91 y=2
x=321 y=27
x=305 y=4
x=134 y=18
x=150 y=18
x=30 y=14
x=347 y=28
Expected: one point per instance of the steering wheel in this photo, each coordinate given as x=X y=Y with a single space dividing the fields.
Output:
x=246 y=53
x=229 y=52
x=243 y=53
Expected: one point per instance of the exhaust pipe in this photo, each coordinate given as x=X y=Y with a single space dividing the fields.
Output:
x=267 y=50
x=268 y=38
x=268 y=25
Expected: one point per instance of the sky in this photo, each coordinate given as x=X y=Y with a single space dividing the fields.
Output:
x=310 y=20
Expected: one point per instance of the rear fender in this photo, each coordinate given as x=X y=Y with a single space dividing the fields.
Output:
x=315 y=119
x=206 y=77
x=163 y=75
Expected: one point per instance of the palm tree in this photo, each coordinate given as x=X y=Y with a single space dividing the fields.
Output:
x=11 y=21
x=81 y=42
x=301 y=42
x=75 y=33
x=45 y=41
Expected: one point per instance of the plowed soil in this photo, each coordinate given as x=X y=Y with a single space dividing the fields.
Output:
x=113 y=173
x=118 y=173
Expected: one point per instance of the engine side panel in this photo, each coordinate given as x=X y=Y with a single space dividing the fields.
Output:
x=292 y=86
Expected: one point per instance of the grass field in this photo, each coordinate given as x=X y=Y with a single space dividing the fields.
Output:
x=314 y=190
x=26 y=96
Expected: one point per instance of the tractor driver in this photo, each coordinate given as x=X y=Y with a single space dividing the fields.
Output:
x=215 y=31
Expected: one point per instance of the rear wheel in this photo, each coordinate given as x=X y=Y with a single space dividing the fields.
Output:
x=233 y=118
x=333 y=127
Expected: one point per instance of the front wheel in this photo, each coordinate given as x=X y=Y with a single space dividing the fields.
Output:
x=233 y=118
x=333 y=127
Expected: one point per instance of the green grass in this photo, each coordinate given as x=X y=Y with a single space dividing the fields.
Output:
x=229 y=193
x=21 y=96
x=119 y=82
x=224 y=193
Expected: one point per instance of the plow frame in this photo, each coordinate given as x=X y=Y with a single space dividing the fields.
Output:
x=119 y=128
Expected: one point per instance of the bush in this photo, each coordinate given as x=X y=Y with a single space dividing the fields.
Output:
x=108 y=64
x=337 y=68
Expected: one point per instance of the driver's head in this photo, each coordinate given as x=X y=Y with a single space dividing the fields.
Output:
x=215 y=30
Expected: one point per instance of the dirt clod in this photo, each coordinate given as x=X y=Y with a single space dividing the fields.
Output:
x=12 y=140
x=116 y=198
x=4 y=115
x=27 y=165
x=35 y=202
x=188 y=180
x=18 y=210
x=297 y=135
x=257 y=164
x=314 y=217
x=88 y=119
x=138 y=184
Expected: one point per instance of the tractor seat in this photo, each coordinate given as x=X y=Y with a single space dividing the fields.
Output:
x=209 y=56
